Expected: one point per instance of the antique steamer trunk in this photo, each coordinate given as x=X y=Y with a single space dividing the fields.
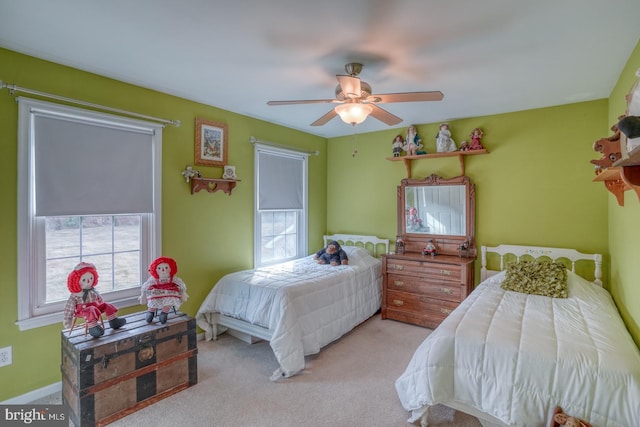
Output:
x=107 y=378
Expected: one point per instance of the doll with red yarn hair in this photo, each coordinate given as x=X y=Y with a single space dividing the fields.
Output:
x=163 y=290
x=85 y=302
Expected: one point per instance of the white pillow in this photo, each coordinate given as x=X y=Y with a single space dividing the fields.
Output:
x=355 y=253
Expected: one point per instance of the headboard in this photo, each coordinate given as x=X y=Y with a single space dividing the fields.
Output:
x=537 y=252
x=368 y=242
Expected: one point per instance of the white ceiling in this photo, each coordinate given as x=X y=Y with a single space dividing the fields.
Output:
x=487 y=57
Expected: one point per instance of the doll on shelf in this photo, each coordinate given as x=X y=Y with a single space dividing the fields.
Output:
x=398 y=145
x=413 y=142
x=476 y=135
x=163 y=291
x=444 y=143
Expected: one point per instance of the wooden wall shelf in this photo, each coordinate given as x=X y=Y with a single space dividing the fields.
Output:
x=459 y=154
x=618 y=179
x=212 y=185
x=631 y=167
x=622 y=176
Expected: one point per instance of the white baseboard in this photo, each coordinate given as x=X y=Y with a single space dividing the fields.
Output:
x=34 y=395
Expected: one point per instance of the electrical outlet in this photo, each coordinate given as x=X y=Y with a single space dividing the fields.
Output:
x=5 y=356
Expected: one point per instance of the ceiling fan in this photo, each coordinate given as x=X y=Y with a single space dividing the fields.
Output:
x=356 y=100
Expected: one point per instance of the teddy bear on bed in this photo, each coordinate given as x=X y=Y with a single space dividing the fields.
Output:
x=562 y=419
x=163 y=290
x=332 y=254
x=85 y=302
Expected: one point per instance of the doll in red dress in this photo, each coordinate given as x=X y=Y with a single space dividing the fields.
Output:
x=85 y=302
x=163 y=290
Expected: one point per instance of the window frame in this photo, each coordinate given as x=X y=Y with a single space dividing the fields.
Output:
x=302 y=214
x=31 y=231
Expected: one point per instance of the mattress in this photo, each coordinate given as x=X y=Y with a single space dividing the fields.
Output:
x=515 y=357
x=304 y=305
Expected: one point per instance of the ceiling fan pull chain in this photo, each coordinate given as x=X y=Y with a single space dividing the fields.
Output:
x=353 y=143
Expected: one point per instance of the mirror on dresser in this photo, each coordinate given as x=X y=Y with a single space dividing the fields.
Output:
x=418 y=287
x=437 y=209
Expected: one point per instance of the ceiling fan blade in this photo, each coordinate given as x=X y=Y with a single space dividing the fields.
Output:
x=303 y=101
x=384 y=116
x=324 y=119
x=410 y=96
x=350 y=86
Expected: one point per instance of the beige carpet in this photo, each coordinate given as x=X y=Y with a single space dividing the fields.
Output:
x=349 y=383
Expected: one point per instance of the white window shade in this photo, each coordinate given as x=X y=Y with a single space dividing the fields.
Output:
x=279 y=183
x=109 y=170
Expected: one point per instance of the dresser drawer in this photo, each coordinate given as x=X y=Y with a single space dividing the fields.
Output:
x=426 y=320
x=428 y=269
x=436 y=288
x=420 y=304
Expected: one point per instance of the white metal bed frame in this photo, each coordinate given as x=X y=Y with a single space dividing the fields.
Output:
x=251 y=333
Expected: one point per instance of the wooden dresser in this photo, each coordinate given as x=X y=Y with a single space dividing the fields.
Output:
x=423 y=290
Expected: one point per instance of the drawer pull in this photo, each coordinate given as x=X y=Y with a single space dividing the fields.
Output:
x=447 y=291
x=398 y=283
x=398 y=302
x=445 y=310
x=396 y=267
x=446 y=272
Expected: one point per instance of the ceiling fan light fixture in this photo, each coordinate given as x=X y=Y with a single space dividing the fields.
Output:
x=353 y=113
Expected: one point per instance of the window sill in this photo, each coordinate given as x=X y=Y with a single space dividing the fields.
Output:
x=53 y=318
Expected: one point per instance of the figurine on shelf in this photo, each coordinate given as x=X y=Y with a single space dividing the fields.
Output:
x=476 y=135
x=609 y=147
x=413 y=142
x=189 y=172
x=444 y=143
x=229 y=172
x=430 y=249
x=398 y=145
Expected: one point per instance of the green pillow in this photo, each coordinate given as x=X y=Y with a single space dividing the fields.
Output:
x=537 y=277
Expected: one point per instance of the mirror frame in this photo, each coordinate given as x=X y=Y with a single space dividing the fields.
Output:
x=446 y=244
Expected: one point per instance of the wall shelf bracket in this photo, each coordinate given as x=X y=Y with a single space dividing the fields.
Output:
x=212 y=185
x=407 y=160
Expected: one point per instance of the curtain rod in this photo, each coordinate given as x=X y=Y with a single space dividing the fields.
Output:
x=14 y=88
x=254 y=140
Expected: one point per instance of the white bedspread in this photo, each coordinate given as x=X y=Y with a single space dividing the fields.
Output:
x=304 y=305
x=516 y=356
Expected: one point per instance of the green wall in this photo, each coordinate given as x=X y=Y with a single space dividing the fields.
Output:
x=208 y=235
x=624 y=233
x=534 y=187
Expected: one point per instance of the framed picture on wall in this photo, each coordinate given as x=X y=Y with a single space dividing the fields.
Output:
x=211 y=143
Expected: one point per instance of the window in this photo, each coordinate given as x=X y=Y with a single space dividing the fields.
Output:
x=88 y=190
x=281 y=205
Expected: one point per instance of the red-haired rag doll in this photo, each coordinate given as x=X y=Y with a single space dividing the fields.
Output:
x=163 y=290
x=86 y=302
